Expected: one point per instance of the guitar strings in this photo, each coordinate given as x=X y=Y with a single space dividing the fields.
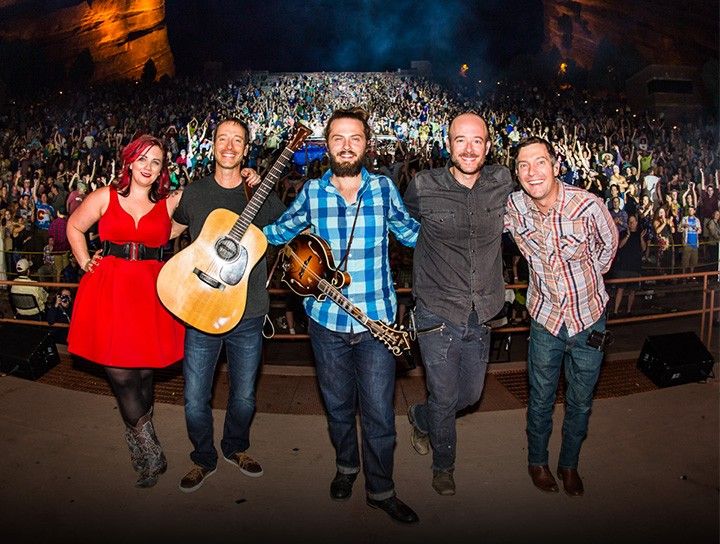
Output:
x=370 y=324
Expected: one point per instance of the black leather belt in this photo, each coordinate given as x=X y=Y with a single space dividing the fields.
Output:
x=133 y=251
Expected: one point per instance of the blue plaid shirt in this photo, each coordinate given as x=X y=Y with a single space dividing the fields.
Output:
x=321 y=207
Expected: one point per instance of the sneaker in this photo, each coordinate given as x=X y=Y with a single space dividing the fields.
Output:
x=443 y=482
x=194 y=479
x=247 y=465
x=419 y=440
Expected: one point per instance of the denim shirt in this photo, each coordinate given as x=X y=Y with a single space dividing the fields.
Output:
x=457 y=266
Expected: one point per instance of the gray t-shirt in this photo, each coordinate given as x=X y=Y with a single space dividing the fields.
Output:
x=205 y=195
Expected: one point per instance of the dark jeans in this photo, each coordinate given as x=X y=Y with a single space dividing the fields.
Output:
x=546 y=354
x=356 y=368
x=455 y=358
x=244 y=351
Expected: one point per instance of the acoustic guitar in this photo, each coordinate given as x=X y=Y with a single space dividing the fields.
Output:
x=308 y=270
x=205 y=284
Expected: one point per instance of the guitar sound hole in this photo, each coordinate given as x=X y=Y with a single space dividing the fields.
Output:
x=227 y=249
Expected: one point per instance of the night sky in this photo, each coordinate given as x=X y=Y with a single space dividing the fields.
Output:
x=360 y=35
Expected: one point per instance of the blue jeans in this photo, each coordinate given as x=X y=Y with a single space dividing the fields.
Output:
x=455 y=358
x=244 y=351
x=546 y=354
x=356 y=368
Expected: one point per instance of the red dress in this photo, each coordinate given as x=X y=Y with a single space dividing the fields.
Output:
x=118 y=319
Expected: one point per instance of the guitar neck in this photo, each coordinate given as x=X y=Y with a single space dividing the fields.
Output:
x=263 y=190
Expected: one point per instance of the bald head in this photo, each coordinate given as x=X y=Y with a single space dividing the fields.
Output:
x=467 y=117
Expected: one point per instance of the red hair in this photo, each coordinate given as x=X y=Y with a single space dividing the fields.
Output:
x=160 y=188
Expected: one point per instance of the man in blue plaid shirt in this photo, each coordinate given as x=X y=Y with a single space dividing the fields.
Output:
x=354 y=210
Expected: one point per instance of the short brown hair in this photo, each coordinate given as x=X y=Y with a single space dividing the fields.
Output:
x=537 y=140
x=357 y=113
x=235 y=121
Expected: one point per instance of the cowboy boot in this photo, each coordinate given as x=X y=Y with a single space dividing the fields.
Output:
x=141 y=462
x=151 y=460
x=136 y=454
x=156 y=459
x=155 y=462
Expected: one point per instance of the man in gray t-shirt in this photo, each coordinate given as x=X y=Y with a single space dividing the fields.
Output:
x=224 y=189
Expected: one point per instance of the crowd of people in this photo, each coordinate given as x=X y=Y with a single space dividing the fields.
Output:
x=55 y=150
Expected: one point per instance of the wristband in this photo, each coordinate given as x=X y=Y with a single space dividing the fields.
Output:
x=87 y=264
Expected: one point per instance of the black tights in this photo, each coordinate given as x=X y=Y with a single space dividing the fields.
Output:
x=133 y=388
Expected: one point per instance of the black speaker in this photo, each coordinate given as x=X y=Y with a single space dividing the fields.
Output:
x=27 y=351
x=672 y=359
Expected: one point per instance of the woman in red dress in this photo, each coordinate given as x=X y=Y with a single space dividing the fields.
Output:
x=118 y=320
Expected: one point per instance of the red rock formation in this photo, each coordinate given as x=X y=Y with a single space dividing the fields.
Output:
x=121 y=35
x=662 y=31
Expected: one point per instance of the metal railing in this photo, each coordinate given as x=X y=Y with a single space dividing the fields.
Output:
x=706 y=310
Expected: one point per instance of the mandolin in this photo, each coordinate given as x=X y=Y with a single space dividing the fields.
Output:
x=205 y=284
x=309 y=270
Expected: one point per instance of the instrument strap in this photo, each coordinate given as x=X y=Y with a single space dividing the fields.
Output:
x=274 y=266
x=343 y=263
x=248 y=191
x=268 y=329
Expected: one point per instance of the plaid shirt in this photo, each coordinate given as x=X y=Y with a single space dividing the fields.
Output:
x=320 y=206
x=567 y=250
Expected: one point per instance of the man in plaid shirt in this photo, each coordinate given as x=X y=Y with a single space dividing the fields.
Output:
x=569 y=239
x=354 y=211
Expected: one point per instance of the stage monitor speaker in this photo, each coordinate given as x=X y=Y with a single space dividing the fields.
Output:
x=27 y=351
x=673 y=359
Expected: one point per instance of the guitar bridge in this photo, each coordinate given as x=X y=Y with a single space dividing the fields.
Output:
x=208 y=280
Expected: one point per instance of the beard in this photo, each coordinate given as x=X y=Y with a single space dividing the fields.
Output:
x=457 y=163
x=345 y=169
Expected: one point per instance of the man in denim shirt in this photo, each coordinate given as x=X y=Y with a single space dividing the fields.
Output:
x=457 y=283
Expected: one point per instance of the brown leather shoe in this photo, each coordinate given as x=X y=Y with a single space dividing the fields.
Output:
x=542 y=478
x=572 y=483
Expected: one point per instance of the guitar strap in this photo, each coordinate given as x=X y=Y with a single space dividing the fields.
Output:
x=272 y=270
x=248 y=192
x=343 y=263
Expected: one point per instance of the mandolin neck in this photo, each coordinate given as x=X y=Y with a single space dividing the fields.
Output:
x=341 y=300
